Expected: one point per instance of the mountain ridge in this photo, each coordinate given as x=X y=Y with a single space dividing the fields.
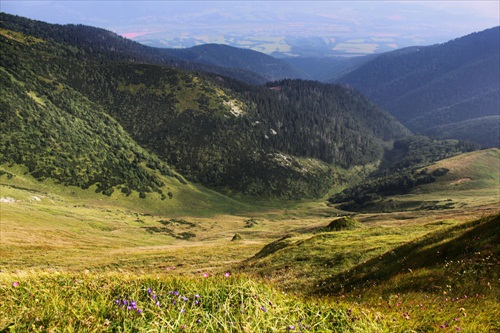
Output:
x=425 y=87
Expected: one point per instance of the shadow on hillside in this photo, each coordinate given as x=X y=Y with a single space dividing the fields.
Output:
x=462 y=242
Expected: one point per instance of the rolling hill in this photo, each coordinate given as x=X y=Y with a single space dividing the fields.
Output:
x=448 y=90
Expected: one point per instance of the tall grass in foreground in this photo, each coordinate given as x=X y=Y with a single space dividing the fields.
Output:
x=112 y=302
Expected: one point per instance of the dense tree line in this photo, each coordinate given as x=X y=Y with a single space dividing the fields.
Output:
x=375 y=189
x=418 y=151
x=59 y=133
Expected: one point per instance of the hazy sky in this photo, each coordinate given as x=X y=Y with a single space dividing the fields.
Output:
x=406 y=22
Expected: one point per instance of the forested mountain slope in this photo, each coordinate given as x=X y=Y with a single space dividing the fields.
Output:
x=57 y=132
x=287 y=139
x=449 y=90
x=245 y=65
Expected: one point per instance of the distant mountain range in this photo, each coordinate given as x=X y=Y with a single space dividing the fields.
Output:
x=449 y=90
x=244 y=65
x=278 y=28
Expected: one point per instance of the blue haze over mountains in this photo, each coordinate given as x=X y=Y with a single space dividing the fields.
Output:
x=280 y=28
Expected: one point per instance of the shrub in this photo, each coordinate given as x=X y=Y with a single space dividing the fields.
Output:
x=343 y=223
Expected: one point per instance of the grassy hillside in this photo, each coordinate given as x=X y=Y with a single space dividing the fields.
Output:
x=446 y=281
x=457 y=248
x=49 y=225
x=92 y=252
x=126 y=302
x=429 y=87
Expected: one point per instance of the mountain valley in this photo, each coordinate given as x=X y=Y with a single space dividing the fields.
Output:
x=214 y=189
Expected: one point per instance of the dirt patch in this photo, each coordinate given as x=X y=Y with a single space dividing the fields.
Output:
x=235 y=109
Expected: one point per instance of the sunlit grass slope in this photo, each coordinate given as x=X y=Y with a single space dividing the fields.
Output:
x=446 y=281
x=473 y=179
x=448 y=257
x=457 y=293
x=477 y=170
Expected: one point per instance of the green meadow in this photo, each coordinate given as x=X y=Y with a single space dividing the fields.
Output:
x=74 y=260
